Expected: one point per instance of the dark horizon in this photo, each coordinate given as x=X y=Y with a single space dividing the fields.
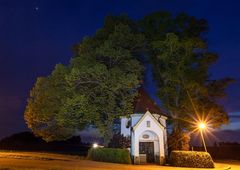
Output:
x=37 y=34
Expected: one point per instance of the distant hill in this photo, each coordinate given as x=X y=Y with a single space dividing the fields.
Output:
x=28 y=142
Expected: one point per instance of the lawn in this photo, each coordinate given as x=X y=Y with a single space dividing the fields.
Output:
x=48 y=161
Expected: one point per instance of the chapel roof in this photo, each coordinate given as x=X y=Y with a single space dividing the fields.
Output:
x=144 y=103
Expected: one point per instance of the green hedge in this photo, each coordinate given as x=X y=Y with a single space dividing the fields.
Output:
x=191 y=159
x=109 y=155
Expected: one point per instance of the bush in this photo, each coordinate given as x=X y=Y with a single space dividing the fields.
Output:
x=109 y=155
x=191 y=159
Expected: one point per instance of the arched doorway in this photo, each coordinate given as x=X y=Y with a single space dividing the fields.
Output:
x=148 y=147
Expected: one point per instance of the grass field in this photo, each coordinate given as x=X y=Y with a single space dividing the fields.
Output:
x=49 y=161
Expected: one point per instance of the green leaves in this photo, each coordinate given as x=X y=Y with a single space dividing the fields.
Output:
x=45 y=101
x=76 y=113
x=95 y=89
x=181 y=70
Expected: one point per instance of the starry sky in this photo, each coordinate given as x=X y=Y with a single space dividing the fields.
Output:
x=36 y=35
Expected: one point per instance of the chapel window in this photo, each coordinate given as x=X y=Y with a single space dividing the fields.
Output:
x=148 y=123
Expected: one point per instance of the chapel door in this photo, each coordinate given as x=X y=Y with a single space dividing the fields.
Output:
x=148 y=149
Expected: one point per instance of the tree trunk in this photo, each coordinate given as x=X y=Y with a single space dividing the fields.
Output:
x=108 y=134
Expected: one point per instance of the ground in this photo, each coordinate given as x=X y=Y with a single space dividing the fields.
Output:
x=47 y=161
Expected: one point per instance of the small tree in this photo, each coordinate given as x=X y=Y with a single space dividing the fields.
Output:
x=178 y=140
x=119 y=141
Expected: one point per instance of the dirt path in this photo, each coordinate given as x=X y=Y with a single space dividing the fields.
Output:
x=46 y=161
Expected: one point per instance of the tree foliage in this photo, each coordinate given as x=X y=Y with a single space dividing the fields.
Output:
x=97 y=87
x=181 y=62
x=184 y=83
x=44 y=103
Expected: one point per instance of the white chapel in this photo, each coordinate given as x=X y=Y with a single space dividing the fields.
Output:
x=146 y=128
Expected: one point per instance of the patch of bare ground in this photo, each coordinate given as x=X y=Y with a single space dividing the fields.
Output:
x=49 y=161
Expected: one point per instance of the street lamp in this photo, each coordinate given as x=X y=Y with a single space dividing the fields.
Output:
x=201 y=127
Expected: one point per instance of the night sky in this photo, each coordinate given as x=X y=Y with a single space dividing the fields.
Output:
x=36 y=35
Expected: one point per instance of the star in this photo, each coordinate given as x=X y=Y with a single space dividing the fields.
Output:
x=36 y=8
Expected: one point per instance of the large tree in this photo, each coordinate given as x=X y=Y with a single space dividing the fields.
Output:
x=185 y=86
x=97 y=87
x=181 y=60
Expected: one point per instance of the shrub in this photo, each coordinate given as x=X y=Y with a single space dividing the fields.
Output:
x=191 y=159
x=109 y=155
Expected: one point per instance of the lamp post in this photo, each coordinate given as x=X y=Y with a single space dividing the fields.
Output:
x=201 y=127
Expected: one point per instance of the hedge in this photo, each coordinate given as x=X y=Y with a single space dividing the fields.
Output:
x=109 y=155
x=192 y=159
